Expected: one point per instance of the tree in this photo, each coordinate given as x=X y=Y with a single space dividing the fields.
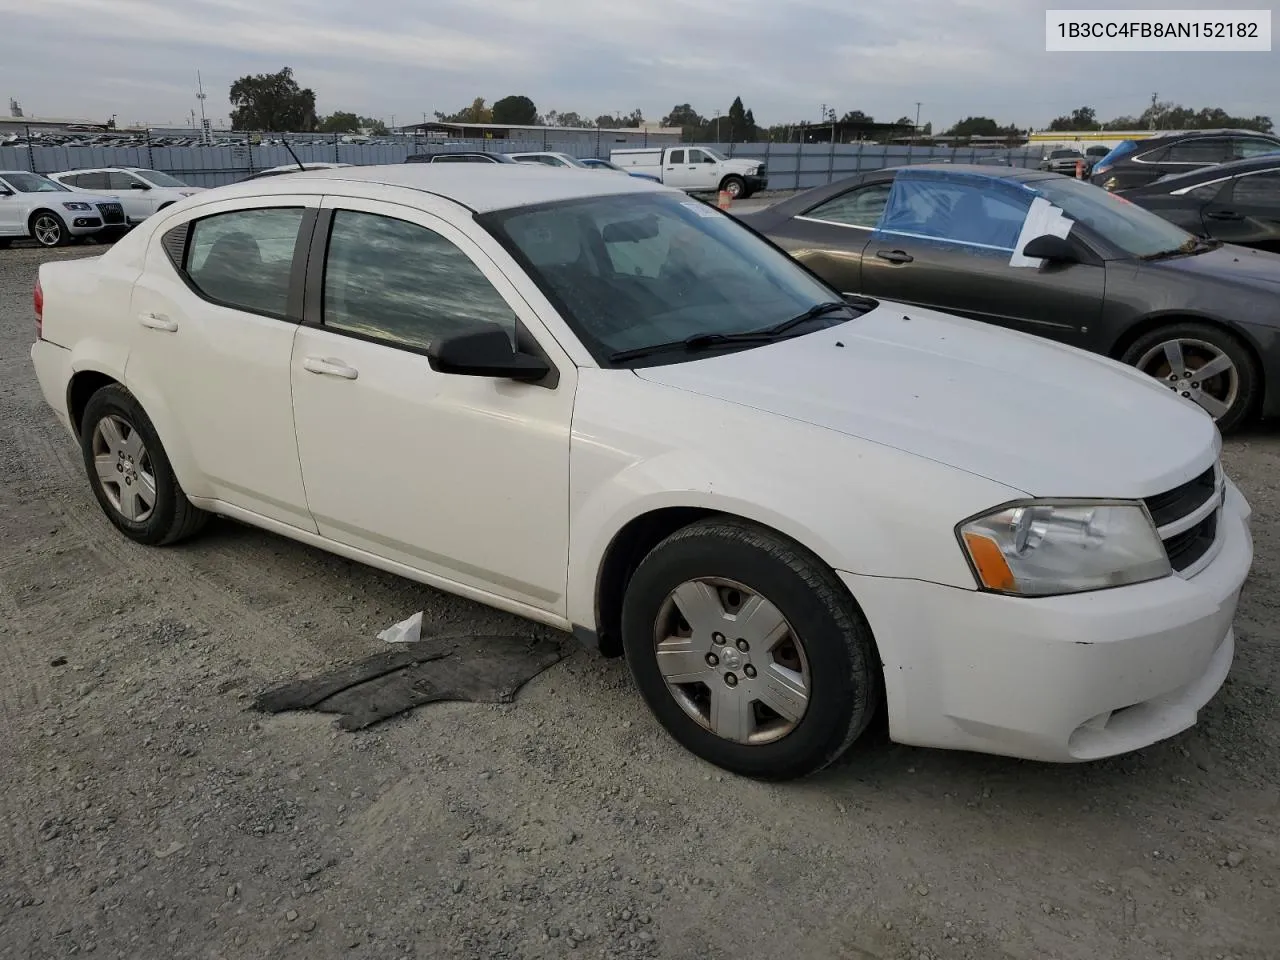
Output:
x=683 y=115
x=376 y=128
x=476 y=113
x=569 y=119
x=981 y=127
x=272 y=101
x=1081 y=118
x=905 y=122
x=518 y=110
x=621 y=122
x=856 y=116
x=339 y=122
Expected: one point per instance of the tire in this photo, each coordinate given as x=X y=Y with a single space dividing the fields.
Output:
x=48 y=229
x=825 y=642
x=1172 y=354
x=736 y=187
x=170 y=517
x=4 y=242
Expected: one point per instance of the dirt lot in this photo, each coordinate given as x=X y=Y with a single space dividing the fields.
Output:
x=147 y=813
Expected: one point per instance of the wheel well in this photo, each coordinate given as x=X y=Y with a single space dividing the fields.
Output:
x=630 y=545
x=1146 y=325
x=83 y=386
x=167 y=203
x=732 y=176
x=35 y=213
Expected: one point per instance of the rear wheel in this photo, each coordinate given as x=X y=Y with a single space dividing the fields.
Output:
x=1203 y=363
x=130 y=471
x=749 y=651
x=49 y=229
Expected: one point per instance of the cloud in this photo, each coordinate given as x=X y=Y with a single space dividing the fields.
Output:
x=785 y=58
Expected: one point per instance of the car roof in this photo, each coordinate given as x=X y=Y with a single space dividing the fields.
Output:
x=479 y=187
x=1164 y=135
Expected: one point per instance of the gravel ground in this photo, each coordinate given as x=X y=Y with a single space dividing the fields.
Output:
x=148 y=814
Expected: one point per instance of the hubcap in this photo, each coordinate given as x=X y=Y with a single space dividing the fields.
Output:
x=732 y=661
x=733 y=188
x=1196 y=370
x=124 y=468
x=47 y=231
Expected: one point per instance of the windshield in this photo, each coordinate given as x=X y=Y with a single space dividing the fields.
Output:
x=715 y=153
x=636 y=270
x=1118 y=152
x=158 y=179
x=1059 y=154
x=1129 y=228
x=34 y=183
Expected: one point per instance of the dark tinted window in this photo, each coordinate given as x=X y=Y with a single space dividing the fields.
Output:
x=116 y=180
x=677 y=156
x=1063 y=154
x=1260 y=188
x=92 y=181
x=398 y=281
x=861 y=207
x=1198 y=151
x=243 y=259
x=1244 y=147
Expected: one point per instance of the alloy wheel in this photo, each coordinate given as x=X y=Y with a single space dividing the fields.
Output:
x=1195 y=369
x=732 y=661
x=124 y=468
x=47 y=230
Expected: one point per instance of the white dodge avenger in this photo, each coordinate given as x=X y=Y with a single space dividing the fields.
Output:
x=608 y=407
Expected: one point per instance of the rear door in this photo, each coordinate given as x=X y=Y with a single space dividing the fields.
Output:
x=1247 y=210
x=947 y=242
x=830 y=239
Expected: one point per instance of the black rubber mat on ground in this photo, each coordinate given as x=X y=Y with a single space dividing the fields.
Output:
x=482 y=669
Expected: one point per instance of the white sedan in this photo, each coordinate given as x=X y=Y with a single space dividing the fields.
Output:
x=611 y=408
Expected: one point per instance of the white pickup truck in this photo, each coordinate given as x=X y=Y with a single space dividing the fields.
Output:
x=695 y=169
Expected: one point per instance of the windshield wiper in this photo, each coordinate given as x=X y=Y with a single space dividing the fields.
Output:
x=703 y=341
x=1192 y=245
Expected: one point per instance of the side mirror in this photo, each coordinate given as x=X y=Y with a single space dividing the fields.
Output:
x=5 y=192
x=137 y=185
x=485 y=353
x=1051 y=248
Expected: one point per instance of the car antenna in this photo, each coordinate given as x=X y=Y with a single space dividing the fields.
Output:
x=301 y=165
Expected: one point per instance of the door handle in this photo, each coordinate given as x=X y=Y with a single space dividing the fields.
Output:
x=158 y=321
x=1225 y=215
x=328 y=367
x=895 y=256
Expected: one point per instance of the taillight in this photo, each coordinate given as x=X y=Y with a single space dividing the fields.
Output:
x=38 y=299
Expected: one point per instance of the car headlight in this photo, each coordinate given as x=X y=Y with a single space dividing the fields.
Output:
x=1039 y=549
x=77 y=205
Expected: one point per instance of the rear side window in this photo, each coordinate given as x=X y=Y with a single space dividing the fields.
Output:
x=1259 y=188
x=244 y=259
x=1198 y=151
x=862 y=207
x=1245 y=147
x=92 y=181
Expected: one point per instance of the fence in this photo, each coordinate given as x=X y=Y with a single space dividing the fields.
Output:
x=791 y=166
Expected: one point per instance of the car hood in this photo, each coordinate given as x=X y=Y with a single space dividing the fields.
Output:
x=1043 y=418
x=1252 y=268
x=83 y=196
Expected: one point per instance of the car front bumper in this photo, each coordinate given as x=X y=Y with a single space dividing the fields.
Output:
x=82 y=224
x=1059 y=679
x=757 y=183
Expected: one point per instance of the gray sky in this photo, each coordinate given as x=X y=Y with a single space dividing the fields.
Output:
x=138 y=58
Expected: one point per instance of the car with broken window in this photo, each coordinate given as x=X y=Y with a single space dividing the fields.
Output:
x=610 y=408
x=1050 y=255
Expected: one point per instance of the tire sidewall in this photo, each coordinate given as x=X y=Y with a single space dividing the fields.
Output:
x=1246 y=369
x=117 y=401
x=63 y=236
x=843 y=692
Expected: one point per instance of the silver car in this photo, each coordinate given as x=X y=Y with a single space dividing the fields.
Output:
x=34 y=206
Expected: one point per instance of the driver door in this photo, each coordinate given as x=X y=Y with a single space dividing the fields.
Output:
x=946 y=242
x=13 y=221
x=462 y=478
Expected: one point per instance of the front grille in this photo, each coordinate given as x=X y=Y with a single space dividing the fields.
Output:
x=1174 y=504
x=112 y=213
x=1187 y=547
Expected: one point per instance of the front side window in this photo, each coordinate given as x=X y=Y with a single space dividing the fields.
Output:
x=1262 y=189
x=637 y=270
x=34 y=183
x=118 y=180
x=956 y=210
x=243 y=259
x=399 y=282
x=860 y=207
x=1131 y=229
x=676 y=156
x=158 y=179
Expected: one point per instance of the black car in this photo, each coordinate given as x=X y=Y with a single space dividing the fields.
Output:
x=1135 y=163
x=1054 y=256
x=459 y=157
x=1236 y=202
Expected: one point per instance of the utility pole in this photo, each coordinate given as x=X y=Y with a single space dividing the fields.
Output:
x=205 y=137
x=916 y=128
x=1152 y=123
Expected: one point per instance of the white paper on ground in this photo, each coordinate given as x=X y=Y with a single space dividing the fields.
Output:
x=406 y=631
x=1043 y=217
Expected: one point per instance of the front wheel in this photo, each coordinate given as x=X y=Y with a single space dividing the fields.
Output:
x=736 y=187
x=49 y=230
x=130 y=471
x=749 y=651
x=1202 y=363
